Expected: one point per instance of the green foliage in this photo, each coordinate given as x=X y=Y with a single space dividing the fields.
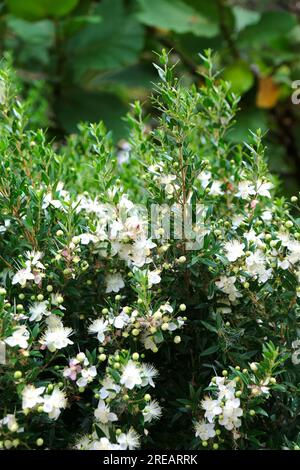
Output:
x=95 y=58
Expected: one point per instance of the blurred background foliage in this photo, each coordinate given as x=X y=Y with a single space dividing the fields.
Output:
x=84 y=60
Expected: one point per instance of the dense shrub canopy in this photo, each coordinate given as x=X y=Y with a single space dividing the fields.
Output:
x=113 y=318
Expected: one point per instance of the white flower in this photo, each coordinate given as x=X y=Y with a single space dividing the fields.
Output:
x=109 y=388
x=205 y=430
x=296 y=353
x=148 y=373
x=87 y=376
x=204 y=178
x=231 y=413
x=151 y=411
x=34 y=258
x=234 y=250
x=10 y=421
x=4 y=227
x=103 y=413
x=19 y=337
x=130 y=440
x=226 y=285
x=103 y=444
x=57 y=337
x=245 y=189
x=31 y=396
x=237 y=220
x=121 y=320
x=22 y=276
x=54 y=403
x=267 y=216
x=215 y=189
x=48 y=200
x=131 y=375
x=114 y=282
x=99 y=326
x=153 y=278
x=212 y=408
x=86 y=238
x=263 y=188
x=37 y=310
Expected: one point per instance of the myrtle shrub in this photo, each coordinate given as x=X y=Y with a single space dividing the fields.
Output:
x=168 y=263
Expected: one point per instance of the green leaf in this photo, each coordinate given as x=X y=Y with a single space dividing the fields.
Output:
x=80 y=105
x=271 y=25
x=39 y=33
x=210 y=350
x=250 y=118
x=209 y=327
x=177 y=16
x=115 y=43
x=240 y=77
x=36 y=9
x=244 y=17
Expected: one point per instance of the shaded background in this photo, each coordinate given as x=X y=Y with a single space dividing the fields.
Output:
x=87 y=60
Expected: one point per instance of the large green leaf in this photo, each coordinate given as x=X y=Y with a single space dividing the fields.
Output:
x=177 y=16
x=40 y=32
x=77 y=105
x=115 y=43
x=246 y=120
x=240 y=77
x=244 y=17
x=36 y=9
x=272 y=25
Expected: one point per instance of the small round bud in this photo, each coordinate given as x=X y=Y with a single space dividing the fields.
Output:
x=165 y=326
x=40 y=409
x=252 y=413
x=246 y=285
x=135 y=356
x=17 y=374
x=294 y=199
x=21 y=296
x=177 y=339
x=147 y=397
x=182 y=307
x=60 y=299
x=40 y=297
x=76 y=240
x=80 y=357
x=215 y=446
x=20 y=307
x=238 y=393
x=118 y=297
x=59 y=233
x=224 y=373
x=218 y=432
x=181 y=259
x=102 y=357
x=135 y=332
x=39 y=442
x=81 y=389
x=253 y=366
x=273 y=380
x=49 y=288
x=289 y=224
x=204 y=443
x=105 y=311
x=8 y=444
